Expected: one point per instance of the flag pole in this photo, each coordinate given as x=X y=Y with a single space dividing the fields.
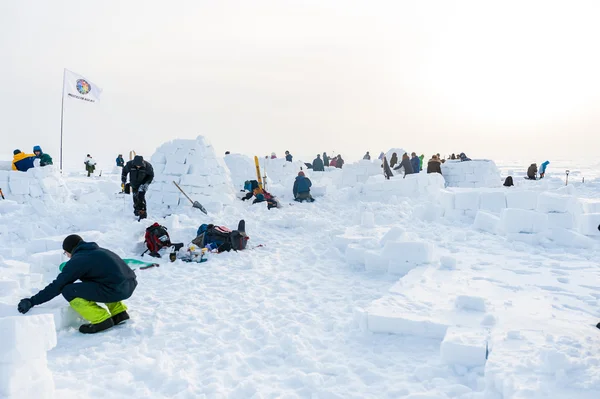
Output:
x=62 y=111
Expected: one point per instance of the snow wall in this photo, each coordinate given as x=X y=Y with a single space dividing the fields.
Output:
x=471 y=174
x=527 y=215
x=44 y=183
x=193 y=165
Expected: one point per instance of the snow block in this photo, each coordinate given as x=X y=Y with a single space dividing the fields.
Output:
x=569 y=238
x=523 y=221
x=446 y=199
x=447 y=262
x=522 y=199
x=26 y=337
x=466 y=200
x=405 y=256
x=561 y=220
x=550 y=202
x=588 y=224
x=492 y=201
x=355 y=255
x=405 y=324
x=375 y=262
x=472 y=303
x=485 y=221
x=393 y=234
x=464 y=347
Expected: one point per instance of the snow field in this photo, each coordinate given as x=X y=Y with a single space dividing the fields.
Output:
x=319 y=312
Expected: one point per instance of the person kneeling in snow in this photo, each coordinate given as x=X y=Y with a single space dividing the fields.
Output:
x=105 y=278
x=141 y=175
x=302 y=186
x=532 y=172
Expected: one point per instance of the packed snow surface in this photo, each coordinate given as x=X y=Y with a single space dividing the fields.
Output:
x=457 y=293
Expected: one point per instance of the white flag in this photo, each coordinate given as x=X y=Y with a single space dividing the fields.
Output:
x=76 y=86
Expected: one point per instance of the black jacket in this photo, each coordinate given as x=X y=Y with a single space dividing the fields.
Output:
x=137 y=177
x=90 y=263
x=408 y=169
x=317 y=165
x=434 y=167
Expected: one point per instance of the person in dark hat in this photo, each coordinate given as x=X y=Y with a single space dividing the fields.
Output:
x=22 y=162
x=301 y=188
x=141 y=175
x=120 y=161
x=105 y=278
x=45 y=159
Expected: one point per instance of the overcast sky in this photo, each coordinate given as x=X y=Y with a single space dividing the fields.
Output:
x=500 y=79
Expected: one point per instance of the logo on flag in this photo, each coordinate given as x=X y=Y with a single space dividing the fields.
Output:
x=83 y=87
x=80 y=88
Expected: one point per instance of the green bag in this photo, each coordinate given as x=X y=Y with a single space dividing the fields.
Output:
x=130 y=262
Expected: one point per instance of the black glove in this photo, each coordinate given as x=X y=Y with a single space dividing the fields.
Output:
x=24 y=305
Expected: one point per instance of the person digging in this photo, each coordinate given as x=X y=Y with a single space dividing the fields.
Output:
x=105 y=278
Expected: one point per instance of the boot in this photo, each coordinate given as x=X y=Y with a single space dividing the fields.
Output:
x=96 y=328
x=142 y=215
x=120 y=318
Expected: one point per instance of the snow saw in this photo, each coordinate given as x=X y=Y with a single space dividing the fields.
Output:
x=195 y=204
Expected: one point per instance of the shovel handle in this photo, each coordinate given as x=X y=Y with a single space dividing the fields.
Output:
x=182 y=192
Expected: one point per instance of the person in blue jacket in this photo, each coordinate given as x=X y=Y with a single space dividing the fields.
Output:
x=105 y=278
x=288 y=157
x=120 y=161
x=302 y=186
x=543 y=169
x=415 y=161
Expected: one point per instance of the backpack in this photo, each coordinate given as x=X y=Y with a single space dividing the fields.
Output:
x=156 y=238
x=222 y=238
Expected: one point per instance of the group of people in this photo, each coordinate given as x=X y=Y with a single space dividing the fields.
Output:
x=22 y=162
x=288 y=157
x=319 y=164
x=532 y=171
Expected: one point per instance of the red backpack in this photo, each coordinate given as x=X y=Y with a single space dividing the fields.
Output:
x=156 y=238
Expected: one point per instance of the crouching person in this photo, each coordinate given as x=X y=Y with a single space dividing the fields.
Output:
x=302 y=186
x=105 y=278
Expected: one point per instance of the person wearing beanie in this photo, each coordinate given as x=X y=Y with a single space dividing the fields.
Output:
x=301 y=189
x=288 y=157
x=105 y=278
x=45 y=159
x=141 y=175
x=22 y=162
x=120 y=161
x=317 y=164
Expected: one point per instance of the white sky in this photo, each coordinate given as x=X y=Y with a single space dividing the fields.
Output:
x=500 y=79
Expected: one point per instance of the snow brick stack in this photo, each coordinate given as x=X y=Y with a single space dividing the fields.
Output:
x=194 y=166
x=359 y=172
x=471 y=174
x=415 y=185
x=24 y=341
x=41 y=183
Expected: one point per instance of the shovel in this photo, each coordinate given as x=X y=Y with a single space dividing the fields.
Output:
x=1 y=194
x=195 y=204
